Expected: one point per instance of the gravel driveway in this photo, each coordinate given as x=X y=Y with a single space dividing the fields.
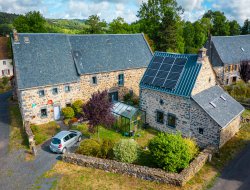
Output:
x=15 y=172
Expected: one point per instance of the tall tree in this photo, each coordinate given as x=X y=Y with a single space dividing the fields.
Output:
x=188 y=35
x=220 y=24
x=245 y=70
x=96 y=26
x=159 y=19
x=118 y=26
x=234 y=28
x=246 y=27
x=30 y=22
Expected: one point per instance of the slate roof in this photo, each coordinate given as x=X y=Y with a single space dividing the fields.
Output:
x=50 y=59
x=225 y=110
x=45 y=60
x=104 y=53
x=4 y=48
x=187 y=79
x=229 y=48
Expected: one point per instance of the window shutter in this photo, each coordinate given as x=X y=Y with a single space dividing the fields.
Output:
x=8 y=71
x=3 y=72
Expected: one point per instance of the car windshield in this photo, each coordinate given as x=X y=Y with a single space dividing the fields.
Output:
x=56 y=141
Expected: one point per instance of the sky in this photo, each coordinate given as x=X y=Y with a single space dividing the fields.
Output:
x=110 y=9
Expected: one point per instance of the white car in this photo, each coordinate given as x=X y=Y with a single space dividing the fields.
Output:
x=63 y=140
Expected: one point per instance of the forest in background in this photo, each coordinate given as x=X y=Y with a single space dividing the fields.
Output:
x=160 y=20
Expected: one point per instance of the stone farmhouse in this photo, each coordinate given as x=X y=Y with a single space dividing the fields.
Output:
x=179 y=93
x=6 y=67
x=225 y=53
x=53 y=70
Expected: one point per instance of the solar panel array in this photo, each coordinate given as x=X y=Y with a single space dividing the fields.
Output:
x=164 y=72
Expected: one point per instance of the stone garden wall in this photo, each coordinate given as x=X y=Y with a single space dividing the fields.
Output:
x=31 y=137
x=142 y=172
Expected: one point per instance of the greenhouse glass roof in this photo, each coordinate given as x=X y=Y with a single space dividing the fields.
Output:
x=124 y=110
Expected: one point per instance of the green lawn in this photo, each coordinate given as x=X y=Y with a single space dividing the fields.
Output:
x=142 y=136
x=45 y=131
x=18 y=138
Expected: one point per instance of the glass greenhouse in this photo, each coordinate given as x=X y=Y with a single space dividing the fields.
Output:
x=128 y=118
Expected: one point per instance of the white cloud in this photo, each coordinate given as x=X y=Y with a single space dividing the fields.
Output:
x=234 y=9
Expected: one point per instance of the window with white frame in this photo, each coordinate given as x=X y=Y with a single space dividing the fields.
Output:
x=5 y=72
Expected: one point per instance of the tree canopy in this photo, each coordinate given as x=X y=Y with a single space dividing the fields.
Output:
x=30 y=22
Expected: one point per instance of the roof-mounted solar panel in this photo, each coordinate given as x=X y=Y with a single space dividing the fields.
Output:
x=165 y=72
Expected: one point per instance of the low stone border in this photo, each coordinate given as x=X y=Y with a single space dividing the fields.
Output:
x=31 y=137
x=142 y=172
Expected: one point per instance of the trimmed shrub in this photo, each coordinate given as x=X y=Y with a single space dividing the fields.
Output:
x=192 y=147
x=170 y=152
x=77 y=107
x=107 y=149
x=126 y=150
x=68 y=112
x=5 y=80
x=127 y=97
x=89 y=147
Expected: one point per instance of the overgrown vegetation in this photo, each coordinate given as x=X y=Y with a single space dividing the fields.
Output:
x=45 y=131
x=5 y=85
x=18 y=138
x=240 y=91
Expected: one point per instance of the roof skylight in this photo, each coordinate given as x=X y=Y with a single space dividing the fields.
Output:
x=213 y=104
x=242 y=49
x=223 y=98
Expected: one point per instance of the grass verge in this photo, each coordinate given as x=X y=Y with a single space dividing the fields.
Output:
x=18 y=138
x=45 y=131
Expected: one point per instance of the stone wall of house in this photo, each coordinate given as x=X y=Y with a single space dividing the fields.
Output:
x=142 y=172
x=109 y=81
x=206 y=77
x=6 y=68
x=150 y=101
x=31 y=103
x=199 y=119
x=229 y=131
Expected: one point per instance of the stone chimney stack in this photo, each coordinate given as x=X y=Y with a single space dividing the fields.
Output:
x=15 y=35
x=202 y=54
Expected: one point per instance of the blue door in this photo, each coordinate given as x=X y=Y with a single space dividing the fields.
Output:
x=113 y=96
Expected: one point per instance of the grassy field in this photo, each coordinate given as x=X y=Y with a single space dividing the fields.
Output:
x=76 y=177
x=141 y=136
x=45 y=131
x=18 y=138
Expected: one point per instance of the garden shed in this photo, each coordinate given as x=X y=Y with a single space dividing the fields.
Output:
x=128 y=118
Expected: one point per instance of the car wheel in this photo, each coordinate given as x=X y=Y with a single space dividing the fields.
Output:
x=79 y=139
x=64 y=150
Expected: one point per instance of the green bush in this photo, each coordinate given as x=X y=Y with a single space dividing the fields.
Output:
x=126 y=150
x=170 y=152
x=68 y=112
x=107 y=148
x=5 y=80
x=77 y=107
x=192 y=147
x=89 y=147
x=127 y=97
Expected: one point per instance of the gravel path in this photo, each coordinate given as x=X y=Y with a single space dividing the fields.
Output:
x=15 y=172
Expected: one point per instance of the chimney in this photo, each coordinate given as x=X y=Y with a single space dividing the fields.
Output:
x=202 y=54
x=15 y=35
